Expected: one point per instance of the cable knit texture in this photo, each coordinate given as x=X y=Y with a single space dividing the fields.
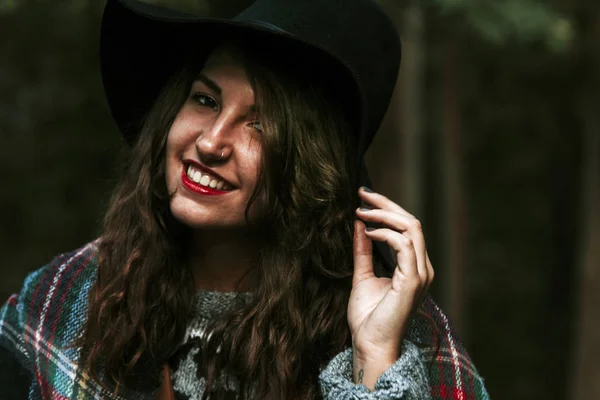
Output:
x=406 y=379
x=209 y=305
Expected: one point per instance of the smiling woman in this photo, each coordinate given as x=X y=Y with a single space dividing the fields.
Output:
x=234 y=260
x=214 y=141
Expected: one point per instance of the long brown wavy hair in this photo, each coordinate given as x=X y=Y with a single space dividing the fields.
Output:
x=296 y=321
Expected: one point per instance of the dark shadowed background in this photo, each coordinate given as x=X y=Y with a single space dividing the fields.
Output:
x=492 y=140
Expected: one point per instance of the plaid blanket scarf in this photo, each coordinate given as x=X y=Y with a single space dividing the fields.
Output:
x=38 y=325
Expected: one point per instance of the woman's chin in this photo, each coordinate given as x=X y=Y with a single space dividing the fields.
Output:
x=210 y=216
x=199 y=218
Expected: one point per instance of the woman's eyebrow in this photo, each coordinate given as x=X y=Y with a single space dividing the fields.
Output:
x=209 y=82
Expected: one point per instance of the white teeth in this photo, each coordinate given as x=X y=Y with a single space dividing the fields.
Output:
x=197 y=177
x=205 y=180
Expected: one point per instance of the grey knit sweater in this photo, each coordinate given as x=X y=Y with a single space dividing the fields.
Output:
x=406 y=379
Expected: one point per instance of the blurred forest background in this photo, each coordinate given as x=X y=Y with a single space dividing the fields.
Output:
x=492 y=140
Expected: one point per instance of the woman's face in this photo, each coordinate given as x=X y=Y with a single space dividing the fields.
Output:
x=214 y=148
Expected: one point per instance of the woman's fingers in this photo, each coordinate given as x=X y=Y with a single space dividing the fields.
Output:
x=392 y=216
x=408 y=226
x=380 y=201
x=363 y=254
x=404 y=248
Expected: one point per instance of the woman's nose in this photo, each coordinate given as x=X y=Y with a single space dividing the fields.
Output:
x=214 y=143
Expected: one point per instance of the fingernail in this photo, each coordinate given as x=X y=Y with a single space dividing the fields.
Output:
x=366 y=189
x=365 y=209
x=370 y=229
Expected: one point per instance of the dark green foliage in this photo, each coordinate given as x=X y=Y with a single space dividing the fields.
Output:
x=499 y=21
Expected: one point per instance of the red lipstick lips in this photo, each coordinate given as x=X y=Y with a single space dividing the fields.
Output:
x=196 y=187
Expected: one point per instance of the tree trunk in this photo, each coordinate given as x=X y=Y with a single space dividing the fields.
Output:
x=395 y=159
x=411 y=110
x=586 y=371
x=453 y=213
x=585 y=378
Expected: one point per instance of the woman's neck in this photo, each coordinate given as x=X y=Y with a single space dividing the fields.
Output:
x=222 y=261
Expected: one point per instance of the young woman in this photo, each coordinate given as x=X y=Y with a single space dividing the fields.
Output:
x=235 y=261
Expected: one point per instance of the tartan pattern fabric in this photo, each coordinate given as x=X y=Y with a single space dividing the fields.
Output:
x=39 y=324
x=452 y=374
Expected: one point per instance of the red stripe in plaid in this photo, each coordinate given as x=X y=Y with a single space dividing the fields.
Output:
x=65 y=291
x=43 y=364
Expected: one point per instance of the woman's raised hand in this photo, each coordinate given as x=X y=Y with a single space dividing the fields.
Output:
x=380 y=309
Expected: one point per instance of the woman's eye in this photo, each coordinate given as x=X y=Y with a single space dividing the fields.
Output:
x=205 y=101
x=256 y=125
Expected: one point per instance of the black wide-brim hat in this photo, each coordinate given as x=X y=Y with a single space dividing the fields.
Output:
x=351 y=43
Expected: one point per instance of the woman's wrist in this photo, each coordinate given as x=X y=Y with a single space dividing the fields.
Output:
x=367 y=368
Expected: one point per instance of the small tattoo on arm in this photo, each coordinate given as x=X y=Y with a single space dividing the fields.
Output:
x=361 y=373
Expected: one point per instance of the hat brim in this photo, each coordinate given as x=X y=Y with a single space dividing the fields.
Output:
x=143 y=45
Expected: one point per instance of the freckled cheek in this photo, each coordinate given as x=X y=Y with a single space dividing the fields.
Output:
x=176 y=141
x=252 y=166
x=184 y=131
